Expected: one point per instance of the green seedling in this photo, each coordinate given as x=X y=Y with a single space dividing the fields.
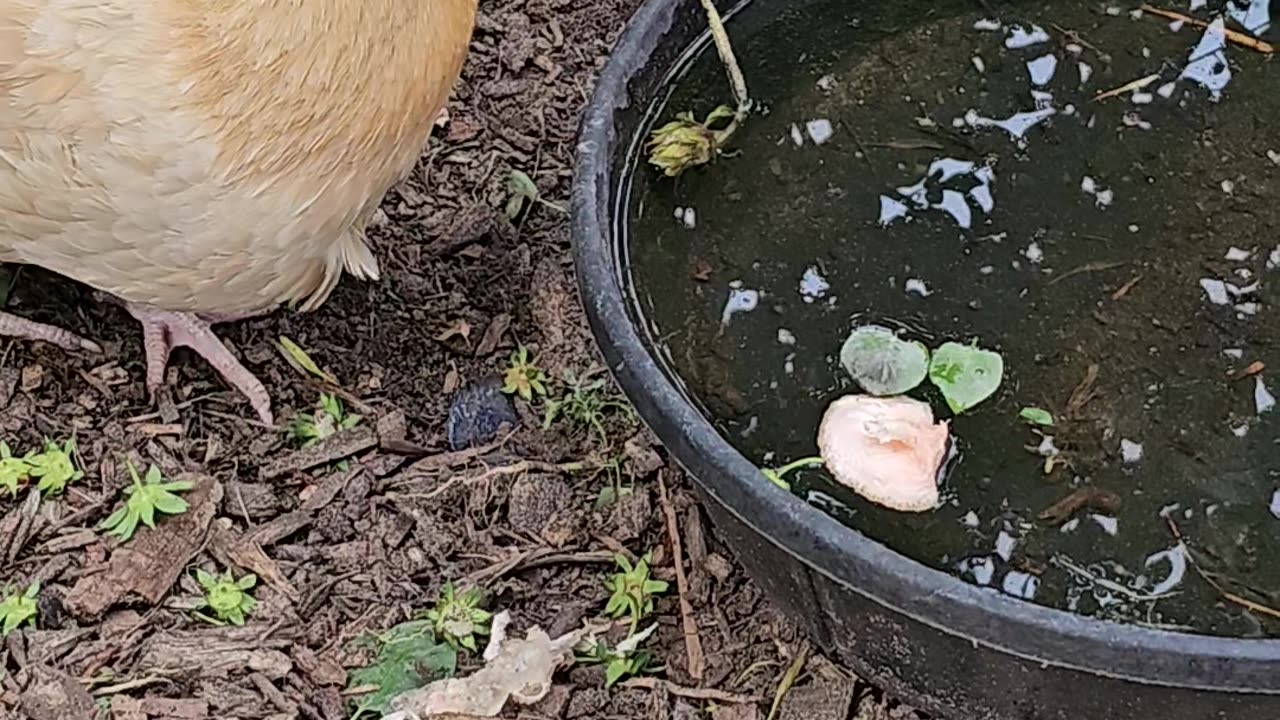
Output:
x=1036 y=416
x=524 y=377
x=227 y=597
x=145 y=499
x=458 y=617
x=633 y=590
x=17 y=608
x=524 y=191
x=585 y=403
x=329 y=418
x=53 y=467
x=14 y=471
x=624 y=660
x=778 y=476
x=409 y=657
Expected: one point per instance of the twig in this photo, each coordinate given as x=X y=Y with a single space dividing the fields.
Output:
x=1227 y=595
x=1131 y=85
x=1086 y=268
x=737 y=81
x=1234 y=36
x=788 y=679
x=692 y=642
x=514 y=469
x=720 y=696
x=1125 y=288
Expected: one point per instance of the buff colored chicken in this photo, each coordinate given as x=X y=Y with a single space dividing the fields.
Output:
x=201 y=161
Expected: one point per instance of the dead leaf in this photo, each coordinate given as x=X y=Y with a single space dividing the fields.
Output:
x=1087 y=497
x=299 y=358
x=32 y=377
x=701 y=270
x=458 y=328
x=1254 y=368
x=493 y=335
x=519 y=671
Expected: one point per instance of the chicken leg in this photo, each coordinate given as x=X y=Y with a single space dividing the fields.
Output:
x=18 y=327
x=164 y=330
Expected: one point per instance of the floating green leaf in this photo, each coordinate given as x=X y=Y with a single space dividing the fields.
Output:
x=1036 y=416
x=966 y=374
x=882 y=363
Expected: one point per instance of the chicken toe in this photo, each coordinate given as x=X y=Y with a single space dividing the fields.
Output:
x=163 y=330
x=14 y=326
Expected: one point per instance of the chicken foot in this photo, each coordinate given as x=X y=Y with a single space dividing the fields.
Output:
x=164 y=330
x=18 y=327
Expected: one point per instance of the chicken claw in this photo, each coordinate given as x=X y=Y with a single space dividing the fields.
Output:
x=14 y=326
x=164 y=330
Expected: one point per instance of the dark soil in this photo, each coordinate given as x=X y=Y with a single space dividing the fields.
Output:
x=359 y=532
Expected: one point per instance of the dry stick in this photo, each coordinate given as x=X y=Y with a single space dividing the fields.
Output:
x=719 y=696
x=692 y=642
x=1234 y=36
x=736 y=80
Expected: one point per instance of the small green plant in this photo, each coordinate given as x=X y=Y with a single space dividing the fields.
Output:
x=14 y=471
x=525 y=191
x=524 y=377
x=778 y=476
x=409 y=656
x=633 y=590
x=458 y=618
x=227 y=597
x=627 y=659
x=329 y=418
x=17 y=608
x=145 y=499
x=53 y=467
x=585 y=403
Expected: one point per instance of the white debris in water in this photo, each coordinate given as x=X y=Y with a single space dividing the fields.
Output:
x=1046 y=447
x=983 y=569
x=1256 y=17
x=690 y=218
x=1166 y=90
x=947 y=168
x=1074 y=48
x=1197 y=4
x=786 y=337
x=1177 y=559
x=987 y=25
x=1033 y=253
x=986 y=269
x=740 y=301
x=1176 y=25
x=1020 y=37
x=1086 y=72
x=891 y=210
x=1263 y=400
x=1005 y=543
x=789 y=364
x=1275 y=504
x=1134 y=120
x=813 y=285
x=1208 y=63
x=1273 y=258
x=978 y=64
x=679 y=213
x=826 y=82
x=1247 y=308
x=819 y=130
x=1240 y=430
x=1142 y=98
x=918 y=287
x=797 y=137
x=1042 y=69
x=1235 y=254
x=1236 y=353
x=1108 y=524
x=1042 y=100
x=953 y=203
x=1101 y=197
x=1228 y=187
x=1020 y=584
x=1016 y=125
x=970 y=520
x=1216 y=290
x=1130 y=451
x=1070 y=526
x=1168 y=510
x=1274 y=157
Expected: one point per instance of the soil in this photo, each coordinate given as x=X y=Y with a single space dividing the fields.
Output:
x=359 y=532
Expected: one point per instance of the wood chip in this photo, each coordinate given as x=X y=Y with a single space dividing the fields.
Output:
x=148 y=565
x=1084 y=498
x=216 y=652
x=336 y=447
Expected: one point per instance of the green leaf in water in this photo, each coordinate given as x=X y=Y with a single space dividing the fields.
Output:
x=882 y=363
x=1036 y=416
x=966 y=374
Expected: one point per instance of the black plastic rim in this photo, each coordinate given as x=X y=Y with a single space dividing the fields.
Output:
x=950 y=605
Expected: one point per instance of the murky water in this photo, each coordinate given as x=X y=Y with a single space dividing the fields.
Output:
x=943 y=168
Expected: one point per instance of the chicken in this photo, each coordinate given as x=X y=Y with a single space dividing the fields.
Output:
x=201 y=161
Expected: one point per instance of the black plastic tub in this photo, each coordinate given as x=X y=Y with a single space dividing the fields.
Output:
x=947 y=647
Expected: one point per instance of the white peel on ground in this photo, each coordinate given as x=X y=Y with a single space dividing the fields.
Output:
x=888 y=450
x=518 y=670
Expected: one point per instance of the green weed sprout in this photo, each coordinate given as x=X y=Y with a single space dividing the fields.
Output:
x=17 y=608
x=14 y=471
x=53 y=467
x=227 y=597
x=633 y=590
x=329 y=418
x=145 y=499
x=524 y=377
x=457 y=617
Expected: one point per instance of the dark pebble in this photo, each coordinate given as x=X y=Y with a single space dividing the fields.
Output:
x=479 y=409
